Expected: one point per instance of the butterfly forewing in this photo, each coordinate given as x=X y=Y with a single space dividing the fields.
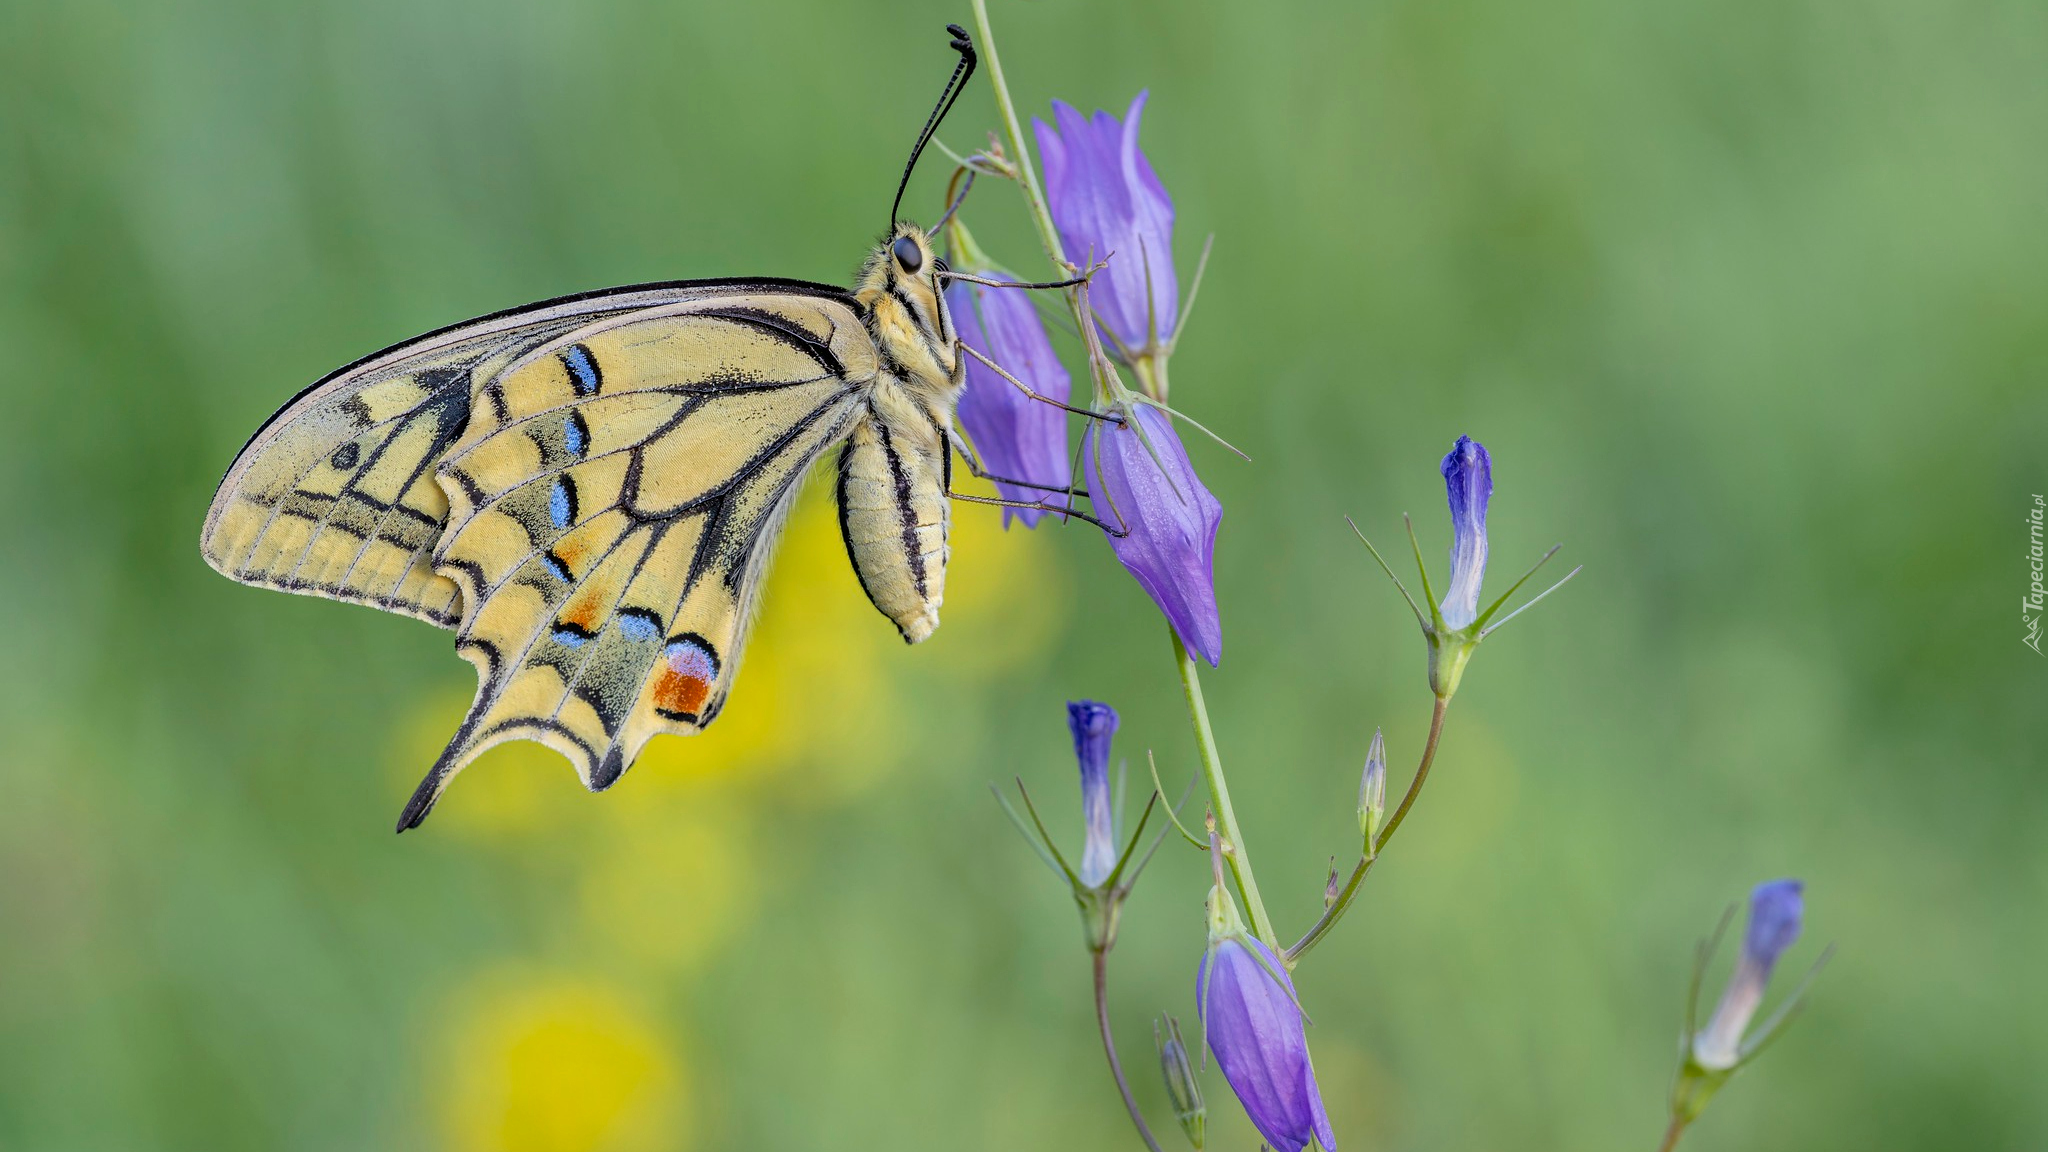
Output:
x=613 y=499
x=336 y=494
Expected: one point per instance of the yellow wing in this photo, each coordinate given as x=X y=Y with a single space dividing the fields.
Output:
x=335 y=495
x=612 y=503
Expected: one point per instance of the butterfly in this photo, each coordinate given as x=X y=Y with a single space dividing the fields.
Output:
x=587 y=490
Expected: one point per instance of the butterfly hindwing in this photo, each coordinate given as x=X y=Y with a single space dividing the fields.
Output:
x=612 y=503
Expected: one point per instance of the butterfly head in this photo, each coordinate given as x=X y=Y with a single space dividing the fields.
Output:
x=902 y=296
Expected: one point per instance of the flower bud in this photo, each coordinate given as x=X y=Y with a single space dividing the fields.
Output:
x=1183 y=1087
x=1716 y=1052
x=1776 y=910
x=1372 y=792
x=1093 y=725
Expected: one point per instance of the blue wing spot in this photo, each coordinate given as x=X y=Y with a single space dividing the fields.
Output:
x=562 y=502
x=570 y=636
x=583 y=374
x=575 y=434
x=556 y=565
x=638 y=624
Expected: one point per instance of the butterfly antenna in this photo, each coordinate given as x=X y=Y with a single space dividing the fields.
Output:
x=954 y=86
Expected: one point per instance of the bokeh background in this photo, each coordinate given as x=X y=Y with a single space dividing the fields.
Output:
x=1747 y=299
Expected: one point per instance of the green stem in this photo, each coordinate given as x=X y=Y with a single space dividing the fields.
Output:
x=1219 y=795
x=1116 y=1068
x=1027 y=177
x=1335 y=912
x=1672 y=1134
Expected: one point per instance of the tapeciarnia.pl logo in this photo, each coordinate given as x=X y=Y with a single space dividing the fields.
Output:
x=2031 y=604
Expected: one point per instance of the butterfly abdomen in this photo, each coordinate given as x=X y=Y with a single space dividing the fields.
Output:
x=893 y=510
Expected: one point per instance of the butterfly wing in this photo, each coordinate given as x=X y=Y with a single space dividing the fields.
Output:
x=613 y=500
x=335 y=495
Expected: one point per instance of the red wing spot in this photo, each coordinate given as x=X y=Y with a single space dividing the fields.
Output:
x=683 y=681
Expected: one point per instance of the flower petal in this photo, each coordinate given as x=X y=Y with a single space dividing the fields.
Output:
x=1148 y=487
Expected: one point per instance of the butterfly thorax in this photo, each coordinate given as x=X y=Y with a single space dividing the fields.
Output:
x=895 y=470
x=906 y=314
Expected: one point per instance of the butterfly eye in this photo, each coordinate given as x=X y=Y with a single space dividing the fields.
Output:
x=908 y=254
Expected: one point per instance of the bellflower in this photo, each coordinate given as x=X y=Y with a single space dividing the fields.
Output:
x=1093 y=725
x=1145 y=485
x=1454 y=627
x=1016 y=437
x=1103 y=882
x=1716 y=1052
x=1468 y=480
x=1254 y=1026
x=1105 y=199
x=1776 y=909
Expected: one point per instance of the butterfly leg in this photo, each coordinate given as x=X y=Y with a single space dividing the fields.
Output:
x=1111 y=417
x=966 y=451
x=1055 y=509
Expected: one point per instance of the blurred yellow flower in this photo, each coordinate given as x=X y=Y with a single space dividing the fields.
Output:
x=545 y=1063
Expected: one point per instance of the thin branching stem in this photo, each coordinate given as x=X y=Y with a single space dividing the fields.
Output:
x=1335 y=912
x=1116 y=1068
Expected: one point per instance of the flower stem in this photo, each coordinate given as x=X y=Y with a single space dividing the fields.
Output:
x=1219 y=795
x=1335 y=912
x=1672 y=1134
x=1116 y=1068
x=1027 y=177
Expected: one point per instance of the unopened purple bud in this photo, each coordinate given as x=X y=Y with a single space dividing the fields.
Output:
x=1017 y=438
x=1106 y=200
x=1148 y=487
x=1468 y=479
x=1093 y=725
x=1255 y=1031
x=1776 y=910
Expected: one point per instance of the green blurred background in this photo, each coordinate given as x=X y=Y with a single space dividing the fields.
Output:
x=1746 y=298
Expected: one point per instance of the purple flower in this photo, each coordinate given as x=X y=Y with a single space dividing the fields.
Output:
x=1105 y=199
x=1093 y=725
x=1015 y=436
x=1148 y=488
x=1254 y=1025
x=1776 y=909
x=1468 y=478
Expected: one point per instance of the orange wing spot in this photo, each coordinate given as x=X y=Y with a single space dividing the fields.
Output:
x=680 y=695
x=688 y=667
x=572 y=552
x=588 y=607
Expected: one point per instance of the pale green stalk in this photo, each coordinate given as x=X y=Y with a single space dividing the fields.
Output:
x=1219 y=796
